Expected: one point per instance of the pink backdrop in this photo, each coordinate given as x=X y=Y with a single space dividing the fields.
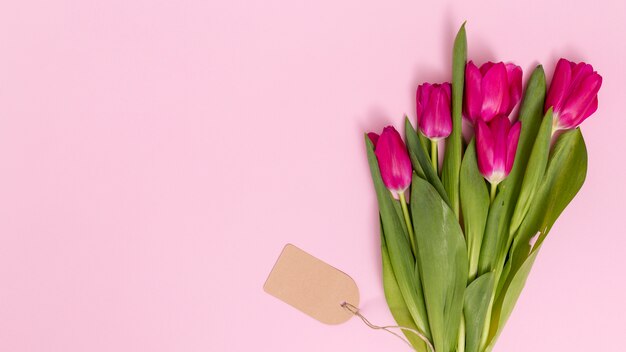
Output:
x=155 y=156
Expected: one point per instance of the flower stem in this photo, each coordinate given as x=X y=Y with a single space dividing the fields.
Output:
x=461 y=339
x=407 y=219
x=494 y=187
x=434 y=159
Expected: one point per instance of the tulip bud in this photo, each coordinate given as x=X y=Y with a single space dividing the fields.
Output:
x=393 y=160
x=496 y=144
x=573 y=94
x=492 y=90
x=433 y=110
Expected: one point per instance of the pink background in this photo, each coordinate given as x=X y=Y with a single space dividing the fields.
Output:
x=155 y=156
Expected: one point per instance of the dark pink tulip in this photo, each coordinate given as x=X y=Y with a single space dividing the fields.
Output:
x=393 y=159
x=573 y=94
x=496 y=144
x=433 y=110
x=492 y=90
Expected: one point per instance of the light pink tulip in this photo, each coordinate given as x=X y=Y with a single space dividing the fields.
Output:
x=433 y=110
x=496 y=144
x=492 y=90
x=573 y=94
x=393 y=159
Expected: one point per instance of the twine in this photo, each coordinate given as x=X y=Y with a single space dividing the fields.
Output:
x=354 y=310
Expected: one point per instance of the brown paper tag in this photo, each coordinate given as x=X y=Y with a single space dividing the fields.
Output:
x=312 y=286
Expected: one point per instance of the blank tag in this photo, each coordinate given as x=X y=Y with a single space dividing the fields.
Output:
x=312 y=286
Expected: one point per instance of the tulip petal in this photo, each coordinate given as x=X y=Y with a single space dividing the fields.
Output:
x=514 y=75
x=484 y=149
x=495 y=92
x=580 y=72
x=511 y=147
x=500 y=126
x=421 y=98
x=443 y=123
x=447 y=87
x=580 y=99
x=374 y=138
x=473 y=93
x=484 y=68
x=559 y=85
x=590 y=109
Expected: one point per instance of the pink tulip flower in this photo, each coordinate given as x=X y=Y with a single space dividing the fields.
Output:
x=573 y=94
x=433 y=110
x=393 y=160
x=492 y=90
x=496 y=144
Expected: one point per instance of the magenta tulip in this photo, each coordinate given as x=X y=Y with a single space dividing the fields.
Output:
x=393 y=160
x=573 y=94
x=492 y=90
x=433 y=110
x=496 y=144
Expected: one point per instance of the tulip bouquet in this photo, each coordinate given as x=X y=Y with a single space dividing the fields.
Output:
x=458 y=241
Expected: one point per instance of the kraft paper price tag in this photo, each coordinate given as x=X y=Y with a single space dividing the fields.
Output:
x=312 y=286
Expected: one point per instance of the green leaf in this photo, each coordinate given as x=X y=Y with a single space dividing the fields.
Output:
x=537 y=164
x=395 y=301
x=420 y=157
x=505 y=304
x=474 y=205
x=565 y=175
x=454 y=143
x=442 y=260
x=477 y=297
x=399 y=247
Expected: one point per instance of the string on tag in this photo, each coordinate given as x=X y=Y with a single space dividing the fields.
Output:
x=354 y=310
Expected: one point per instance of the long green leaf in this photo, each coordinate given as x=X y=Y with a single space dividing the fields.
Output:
x=395 y=301
x=454 y=143
x=565 y=175
x=506 y=303
x=477 y=297
x=419 y=157
x=442 y=262
x=399 y=247
x=537 y=164
x=475 y=206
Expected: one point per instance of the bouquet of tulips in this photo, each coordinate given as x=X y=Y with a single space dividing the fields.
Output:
x=458 y=241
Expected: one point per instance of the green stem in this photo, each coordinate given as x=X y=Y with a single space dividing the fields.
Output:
x=407 y=219
x=461 y=341
x=434 y=159
x=473 y=260
x=494 y=187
